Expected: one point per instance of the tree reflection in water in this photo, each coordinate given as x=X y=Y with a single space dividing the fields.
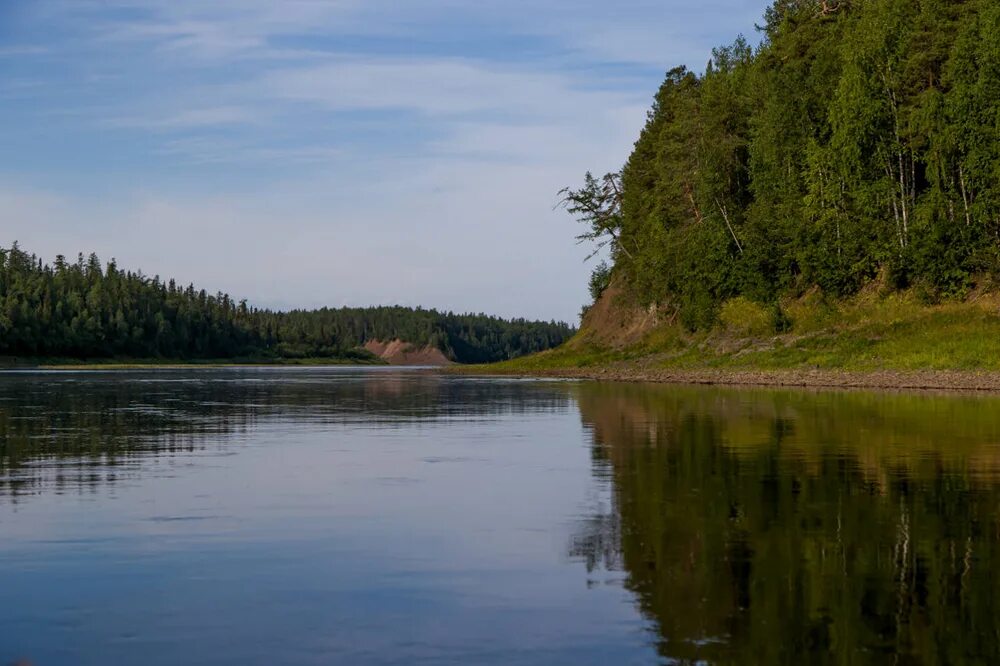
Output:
x=82 y=432
x=766 y=527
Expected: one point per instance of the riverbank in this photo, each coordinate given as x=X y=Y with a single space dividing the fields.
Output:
x=875 y=341
x=933 y=380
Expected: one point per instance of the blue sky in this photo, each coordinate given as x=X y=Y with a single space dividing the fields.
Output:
x=301 y=153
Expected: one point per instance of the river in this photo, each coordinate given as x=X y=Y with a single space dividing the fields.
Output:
x=387 y=516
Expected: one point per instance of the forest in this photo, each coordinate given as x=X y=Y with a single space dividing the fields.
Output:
x=859 y=141
x=86 y=310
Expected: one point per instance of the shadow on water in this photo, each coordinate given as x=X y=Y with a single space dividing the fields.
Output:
x=83 y=431
x=779 y=527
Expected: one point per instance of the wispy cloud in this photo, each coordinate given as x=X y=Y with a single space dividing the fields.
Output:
x=434 y=86
x=16 y=51
x=190 y=119
x=221 y=29
x=207 y=150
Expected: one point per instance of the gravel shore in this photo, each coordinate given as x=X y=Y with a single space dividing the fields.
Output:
x=935 y=380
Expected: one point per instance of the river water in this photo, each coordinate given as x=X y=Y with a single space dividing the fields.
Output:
x=382 y=516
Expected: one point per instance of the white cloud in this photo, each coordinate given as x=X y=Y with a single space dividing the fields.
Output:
x=658 y=33
x=434 y=86
x=221 y=29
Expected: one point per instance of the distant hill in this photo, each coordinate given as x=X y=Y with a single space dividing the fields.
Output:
x=86 y=310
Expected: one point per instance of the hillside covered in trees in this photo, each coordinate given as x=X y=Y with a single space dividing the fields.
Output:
x=85 y=310
x=859 y=140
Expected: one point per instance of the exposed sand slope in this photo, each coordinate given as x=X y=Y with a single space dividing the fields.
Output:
x=614 y=322
x=397 y=352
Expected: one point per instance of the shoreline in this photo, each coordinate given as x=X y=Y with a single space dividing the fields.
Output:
x=976 y=381
x=141 y=364
x=884 y=380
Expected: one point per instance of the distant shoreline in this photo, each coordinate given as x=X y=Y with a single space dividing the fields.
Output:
x=171 y=364
x=890 y=380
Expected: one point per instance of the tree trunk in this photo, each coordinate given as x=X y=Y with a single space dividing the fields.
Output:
x=965 y=196
x=725 y=216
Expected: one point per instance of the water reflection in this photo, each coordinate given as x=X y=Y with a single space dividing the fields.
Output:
x=401 y=517
x=298 y=517
x=787 y=527
x=65 y=431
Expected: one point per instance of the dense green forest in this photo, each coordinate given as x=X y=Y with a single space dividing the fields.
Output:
x=87 y=310
x=859 y=139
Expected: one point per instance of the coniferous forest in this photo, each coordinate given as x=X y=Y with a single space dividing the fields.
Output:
x=87 y=310
x=859 y=140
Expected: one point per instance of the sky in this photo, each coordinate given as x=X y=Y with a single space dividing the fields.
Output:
x=308 y=153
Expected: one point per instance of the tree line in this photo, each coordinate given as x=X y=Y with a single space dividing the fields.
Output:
x=83 y=309
x=859 y=139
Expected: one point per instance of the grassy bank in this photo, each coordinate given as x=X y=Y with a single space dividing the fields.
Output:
x=871 y=340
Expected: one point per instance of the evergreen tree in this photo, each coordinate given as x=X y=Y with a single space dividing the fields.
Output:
x=86 y=310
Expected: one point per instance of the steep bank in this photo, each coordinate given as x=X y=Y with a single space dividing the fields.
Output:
x=397 y=352
x=874 y=340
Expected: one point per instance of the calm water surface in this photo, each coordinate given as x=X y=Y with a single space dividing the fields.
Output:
x=344 y=516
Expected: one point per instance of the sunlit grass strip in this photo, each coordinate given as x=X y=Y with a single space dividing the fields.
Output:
x=893 y=333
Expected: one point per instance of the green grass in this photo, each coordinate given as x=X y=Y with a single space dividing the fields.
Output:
x=894 y=335
x=868 y=333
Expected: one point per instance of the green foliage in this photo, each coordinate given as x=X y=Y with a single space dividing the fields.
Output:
x=597 y=205
x=859 y=137
x=600 y=278
x=744 y=317
x=84 y=310
x=866 y=333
